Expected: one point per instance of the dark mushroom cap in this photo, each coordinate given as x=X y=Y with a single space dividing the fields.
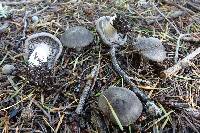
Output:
x=38 y=39
x=77 y=37
x=151 y=48
x=108 y=33
x=125 y=103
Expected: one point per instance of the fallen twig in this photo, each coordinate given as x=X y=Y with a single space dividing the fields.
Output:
x=43 y=9
x=4 y=58
x=40 y=107
x=181 y=64
x=178 y=45
x=192 y=38
x=86 y=90
x=196 y=7
x=25 y=24
x=184 y=37
x=40 y=11
x=23 y=2
x=169 y=2
x=173 y=15
x=166 y=19
x=23 y=99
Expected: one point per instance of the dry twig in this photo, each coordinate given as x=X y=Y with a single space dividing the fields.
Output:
x=23 y=2
x=169 y=2
x=86 y=90
x=166 y=19
x=181 y=64
x=173 y=15
x=194 y=37
x=178 y=45
x=25 y=24
x=193 y=5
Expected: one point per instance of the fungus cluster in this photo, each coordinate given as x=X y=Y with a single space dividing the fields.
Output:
x=44 y=48
x=113 y=32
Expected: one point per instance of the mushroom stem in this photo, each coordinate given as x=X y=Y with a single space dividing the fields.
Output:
x=118 y=68
x=143 y=97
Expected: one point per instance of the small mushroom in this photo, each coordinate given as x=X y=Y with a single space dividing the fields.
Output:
x=109 y=34
x=151 y=48
x=77 y=37
x=42 y=47
x=125 y=103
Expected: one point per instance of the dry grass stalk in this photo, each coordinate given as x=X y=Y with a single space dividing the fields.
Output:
x=180 y=65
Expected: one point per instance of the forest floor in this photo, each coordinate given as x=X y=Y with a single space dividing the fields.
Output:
x=26 y=107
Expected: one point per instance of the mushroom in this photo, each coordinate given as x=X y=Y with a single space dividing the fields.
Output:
x=151 y=48
x=42 y=48
x=124 y=102
x=77 y=37
x=109 y=34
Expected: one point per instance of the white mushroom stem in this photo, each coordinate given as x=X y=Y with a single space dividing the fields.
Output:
x=181 y=64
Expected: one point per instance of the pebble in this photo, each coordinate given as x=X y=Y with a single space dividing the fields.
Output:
x=8 y=69
x=35 y=19
x=4 y=26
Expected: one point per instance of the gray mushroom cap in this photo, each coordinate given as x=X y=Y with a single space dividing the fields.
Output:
x=151 y=48
x=42 y=44
x=125 y=103
x=108 y=33
x=77 y=37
